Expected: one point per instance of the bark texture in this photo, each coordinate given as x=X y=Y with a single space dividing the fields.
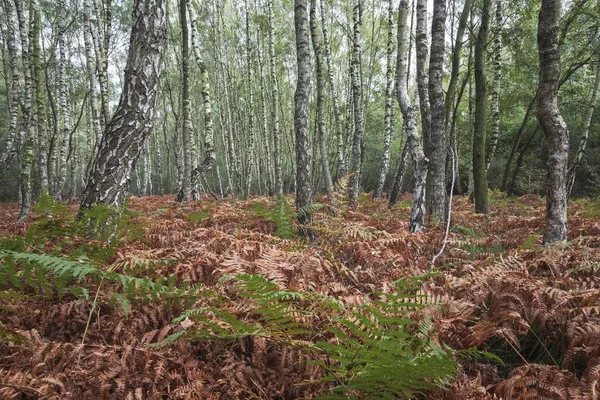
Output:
x=357 y=97
x=324 y=155
x=437 y=147
x=480 y=185
x=409 y=112
x=553 y=125
x=389 y=105
x=303 y=146
x=126 y=133
x=495 y=106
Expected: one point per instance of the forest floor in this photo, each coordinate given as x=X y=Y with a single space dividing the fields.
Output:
x=192 y=327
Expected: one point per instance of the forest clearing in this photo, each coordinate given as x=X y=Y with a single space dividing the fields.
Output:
x=74 y=334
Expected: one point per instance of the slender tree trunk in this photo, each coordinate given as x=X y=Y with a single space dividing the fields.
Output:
x=303 y=148
x=321 y=136
x=40 y=112
x=438 y=150
x=422 y=50
x=185 y=192
x=452 y=102
x=495 y=133
x=409 y=112
x=101 y=40
x=357 y=97
x=129 y=127
x=389 y=109
x=250 y=106
x=275 y=103
x=337 y=110
x=61 y=176
x=399 y=177
x=11 y=149
x=209 y=143
x=516 y=142
x=90 y=56
x=268 y=158
x=585 y=132
x=479 y=161
x=552 y=123
x=26 y=134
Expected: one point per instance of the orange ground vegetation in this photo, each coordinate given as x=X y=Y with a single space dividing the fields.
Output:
x=496 y=289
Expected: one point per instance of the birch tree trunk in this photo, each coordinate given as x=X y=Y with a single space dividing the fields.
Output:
x=495 y=106
x=357 y=99
x=61 y=176
x=126 y=133
x=90 y=56
x=250 y=105
x=303 y=148
x=40 y=111
x=389 y=109
x=553 y=125
x=209 y=144
x=479 y=160
x=438 y=150
x=320 y=103
x=409 y=113
x=337 y=111
x=26 y=136
x=185 y=192
x=422 y=51
x=275 y=103
x=11 y=149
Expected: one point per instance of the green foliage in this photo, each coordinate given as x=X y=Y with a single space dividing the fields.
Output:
x=379 y=352
x=197 y=217
x=374 y=351
x=48 y=275
x=281 y=214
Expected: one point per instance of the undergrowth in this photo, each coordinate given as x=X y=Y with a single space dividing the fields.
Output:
x=222 y=300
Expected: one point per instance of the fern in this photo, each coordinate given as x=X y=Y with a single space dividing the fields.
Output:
x=23 y=270
x=378 y=352
x=281 y=214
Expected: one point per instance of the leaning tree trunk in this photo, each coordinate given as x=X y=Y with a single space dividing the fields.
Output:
x=320 y=103
x=479 y=165
x=437 y=145
x=586 y=132
x=357 y=97
x=495 y=106
x=337 y=110
x=389 y=109
x=303 y=149
x=552 y=123
x=409 y=112
x=126 y=133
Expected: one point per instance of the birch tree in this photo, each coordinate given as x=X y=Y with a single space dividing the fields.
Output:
x=303 y=147
x=479 y=160
x=409 y=113
x=126 y=133
x=321 y=137
x=389 y=109
x=357 y=101
x=552 y=122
